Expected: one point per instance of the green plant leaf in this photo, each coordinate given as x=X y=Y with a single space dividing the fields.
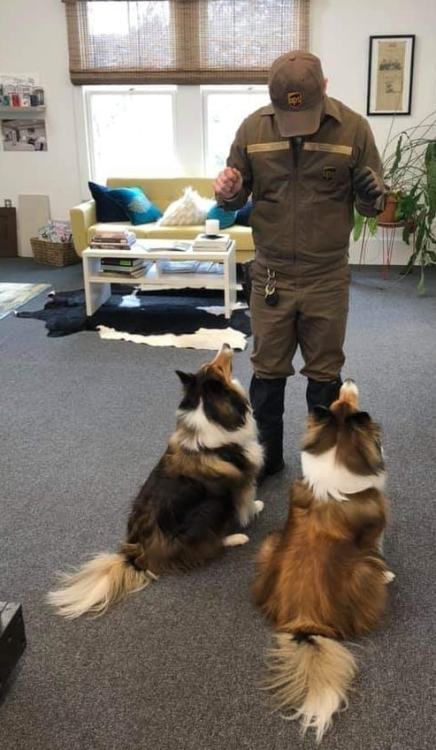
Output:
x=397 y=158
x=406 y=234
x=421 y=284
x=430 y=166
x=420 y=233
x=359 y=221
x=372 y=224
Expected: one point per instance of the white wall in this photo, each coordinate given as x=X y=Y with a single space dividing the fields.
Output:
x=34 y=40
x=340 y=31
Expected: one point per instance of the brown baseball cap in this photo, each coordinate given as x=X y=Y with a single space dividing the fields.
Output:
x=296 y=87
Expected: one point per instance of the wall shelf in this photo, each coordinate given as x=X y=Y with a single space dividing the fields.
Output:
x=15 y=113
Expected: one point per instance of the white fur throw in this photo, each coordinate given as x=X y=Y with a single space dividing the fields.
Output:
x=204 y=338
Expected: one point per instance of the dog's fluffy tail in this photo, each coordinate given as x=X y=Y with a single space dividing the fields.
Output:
x=105 y=579
x=310 y=674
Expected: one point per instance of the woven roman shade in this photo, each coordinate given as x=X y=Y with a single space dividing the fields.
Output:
x=181 y=41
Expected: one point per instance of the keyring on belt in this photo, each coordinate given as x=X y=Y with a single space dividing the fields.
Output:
x=271 y=282
x=271 y=294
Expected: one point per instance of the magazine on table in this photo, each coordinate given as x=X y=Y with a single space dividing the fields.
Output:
x=182 y=246
x=189 y=266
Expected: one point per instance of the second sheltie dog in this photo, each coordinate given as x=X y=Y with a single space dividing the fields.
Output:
x=202 y=486
x=322 y=578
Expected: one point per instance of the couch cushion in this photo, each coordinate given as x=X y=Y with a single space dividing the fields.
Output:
x=243 y=237
x=159 y=232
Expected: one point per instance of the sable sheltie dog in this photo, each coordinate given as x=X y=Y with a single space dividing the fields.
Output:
x=322 y=578
x=183 y=515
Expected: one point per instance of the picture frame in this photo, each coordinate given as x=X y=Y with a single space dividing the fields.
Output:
x=390 y=74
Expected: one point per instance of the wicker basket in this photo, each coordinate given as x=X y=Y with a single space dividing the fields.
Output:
x=54 y=253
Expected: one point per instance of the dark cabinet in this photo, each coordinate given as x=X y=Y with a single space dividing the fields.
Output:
x=8 y=232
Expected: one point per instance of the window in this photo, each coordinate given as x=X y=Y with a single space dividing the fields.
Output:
x=164 y=130
x=130 y=131
x=224 y=108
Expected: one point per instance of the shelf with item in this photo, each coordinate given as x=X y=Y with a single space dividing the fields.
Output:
x=21 y=101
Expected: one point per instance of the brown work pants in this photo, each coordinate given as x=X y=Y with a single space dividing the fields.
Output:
x=311 y=313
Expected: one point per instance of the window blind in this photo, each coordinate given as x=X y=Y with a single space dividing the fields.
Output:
x=181 y=41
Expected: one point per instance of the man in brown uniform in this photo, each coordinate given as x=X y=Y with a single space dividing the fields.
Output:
x=306 y=159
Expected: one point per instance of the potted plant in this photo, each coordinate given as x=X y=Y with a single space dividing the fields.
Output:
x=409 y=163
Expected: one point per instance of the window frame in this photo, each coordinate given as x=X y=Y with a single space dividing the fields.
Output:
x=89 y=91
x=234 y=89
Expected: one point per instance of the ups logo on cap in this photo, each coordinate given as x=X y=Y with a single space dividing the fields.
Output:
x=295 y=98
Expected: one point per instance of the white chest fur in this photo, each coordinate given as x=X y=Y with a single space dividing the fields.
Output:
x=331 y=480
x=208 y=434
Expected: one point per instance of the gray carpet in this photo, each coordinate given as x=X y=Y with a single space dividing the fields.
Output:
x=175 y=667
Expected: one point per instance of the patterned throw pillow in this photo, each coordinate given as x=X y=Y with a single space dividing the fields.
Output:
x=190 y=209
x=225 y=218
x=137 y=207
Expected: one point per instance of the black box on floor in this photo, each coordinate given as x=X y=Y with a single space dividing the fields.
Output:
x=12 y=639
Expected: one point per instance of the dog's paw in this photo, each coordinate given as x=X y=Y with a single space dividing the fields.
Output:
x=235 y=540
x=388 y=576
x=258 y=506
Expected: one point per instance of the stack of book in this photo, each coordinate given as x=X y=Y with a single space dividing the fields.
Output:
x=119 y=240
x=132 y=267
x=211 y=242
x=113 y=240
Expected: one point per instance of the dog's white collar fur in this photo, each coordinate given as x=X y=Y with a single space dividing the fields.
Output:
x=207 y=434
x=330 y=480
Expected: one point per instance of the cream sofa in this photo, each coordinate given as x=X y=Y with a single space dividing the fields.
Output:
x=161 y=191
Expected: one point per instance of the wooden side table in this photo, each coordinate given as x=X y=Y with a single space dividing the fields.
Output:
x=8 y=232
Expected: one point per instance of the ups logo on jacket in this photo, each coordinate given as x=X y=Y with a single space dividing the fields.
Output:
x=329 y=173
x=295 y=98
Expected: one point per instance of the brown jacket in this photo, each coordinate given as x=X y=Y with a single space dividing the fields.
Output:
x=302 y=188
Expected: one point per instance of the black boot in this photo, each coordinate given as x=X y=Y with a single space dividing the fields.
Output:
x=267 y=399
x=322 y=393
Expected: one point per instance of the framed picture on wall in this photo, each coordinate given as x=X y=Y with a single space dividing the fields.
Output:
x=390 y=74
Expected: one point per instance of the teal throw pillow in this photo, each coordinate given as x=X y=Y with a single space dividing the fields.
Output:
x=136 y=205
x=225 y=218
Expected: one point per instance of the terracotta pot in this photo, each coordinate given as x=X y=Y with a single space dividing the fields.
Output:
x=388 y=215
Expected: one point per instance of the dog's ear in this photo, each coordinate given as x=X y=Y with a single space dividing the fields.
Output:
x=186 y=378
x=359 y=418
x=321 y=414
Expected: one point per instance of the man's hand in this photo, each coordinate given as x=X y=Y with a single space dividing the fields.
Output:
x=228 y=183
x=367 y=184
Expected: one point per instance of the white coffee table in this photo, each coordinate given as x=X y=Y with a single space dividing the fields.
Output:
x=97 y=284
